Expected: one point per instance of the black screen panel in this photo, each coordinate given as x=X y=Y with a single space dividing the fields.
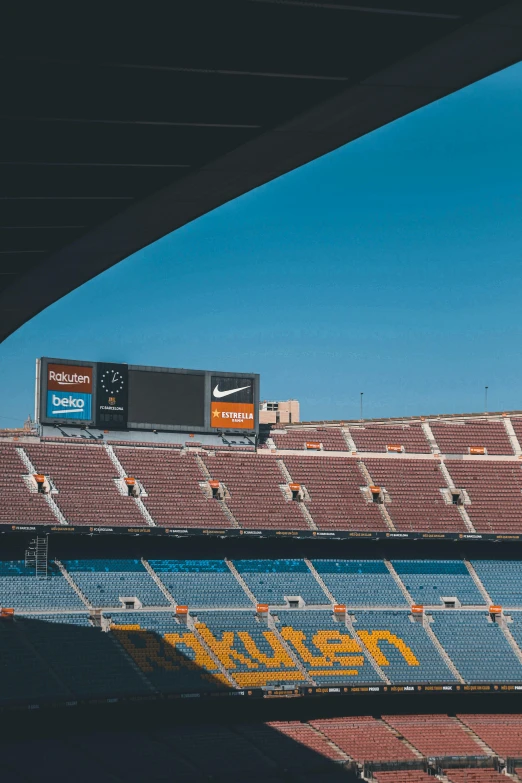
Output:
x=166 y=398
x=225 y=388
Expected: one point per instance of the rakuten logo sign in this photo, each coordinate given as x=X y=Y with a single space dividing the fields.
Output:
x=69 y=406
x=69 y=378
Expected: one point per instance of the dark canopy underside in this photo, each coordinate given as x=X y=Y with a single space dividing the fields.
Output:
x=118 y=129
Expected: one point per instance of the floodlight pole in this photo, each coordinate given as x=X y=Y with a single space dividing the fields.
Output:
x=362 y=405
x=485 y=399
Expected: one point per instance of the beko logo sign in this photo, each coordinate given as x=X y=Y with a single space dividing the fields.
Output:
x=69 y=392
x=69 y=406
x=64 y=377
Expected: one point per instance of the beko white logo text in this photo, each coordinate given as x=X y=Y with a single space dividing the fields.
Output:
x=68 y=404
x=68 y=379
x=217 y=393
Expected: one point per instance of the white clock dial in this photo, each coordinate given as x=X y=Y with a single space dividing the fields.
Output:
x=112 y=381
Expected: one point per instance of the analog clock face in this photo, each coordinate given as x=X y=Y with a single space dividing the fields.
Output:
x=112 y=381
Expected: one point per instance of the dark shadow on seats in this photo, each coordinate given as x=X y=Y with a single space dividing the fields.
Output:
x=51 y=663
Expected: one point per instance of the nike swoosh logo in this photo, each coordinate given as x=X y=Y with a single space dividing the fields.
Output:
x=219 y=394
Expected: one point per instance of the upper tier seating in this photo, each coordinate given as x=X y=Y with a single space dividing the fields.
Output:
x=248 y=649
x=402 y=648
x=428 y=581
x=201 y=583
x=325 y=648
x=416 y=500
x=256 y=499
x=364 y=739
x=21 y=590
x=502 y=733
x=435 y=735
x=477 y=647
x=360 y=582
x=377 y=437
x=104 y=582
x=172 y=483
x=17 y=504
x=457 y=438
x=334 y=486
x=167 y=652
x=330 y=438
x=494 y=489
x=84 y=477
x=502 y=580
x=271 y=580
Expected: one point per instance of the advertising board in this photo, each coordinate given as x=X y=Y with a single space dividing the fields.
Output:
x=113 y=396
x=232 y=402
x=69 y=390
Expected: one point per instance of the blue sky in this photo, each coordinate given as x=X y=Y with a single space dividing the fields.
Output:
x=391 y=266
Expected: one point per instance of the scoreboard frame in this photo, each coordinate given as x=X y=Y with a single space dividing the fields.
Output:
x=46 y=415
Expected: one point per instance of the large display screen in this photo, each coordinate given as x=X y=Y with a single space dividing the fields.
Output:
x=166 y=398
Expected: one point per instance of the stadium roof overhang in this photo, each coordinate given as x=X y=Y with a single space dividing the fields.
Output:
x=118 y=130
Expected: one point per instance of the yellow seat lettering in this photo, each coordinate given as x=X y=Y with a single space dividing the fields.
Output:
x=297 y=640
x=223 y=648
x=333 y=645
x=147 y=650
x=280 y=656
x=201 y=659
x=372 y=638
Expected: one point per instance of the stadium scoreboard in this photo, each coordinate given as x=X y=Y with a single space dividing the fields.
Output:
x=115 y=396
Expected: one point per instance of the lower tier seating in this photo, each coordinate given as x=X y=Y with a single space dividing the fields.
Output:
x=435 y=735
x=501 y=733
x=474 y=776
x=403 y=776
x=477 y=647
x=364 y=739
x=402 y=648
